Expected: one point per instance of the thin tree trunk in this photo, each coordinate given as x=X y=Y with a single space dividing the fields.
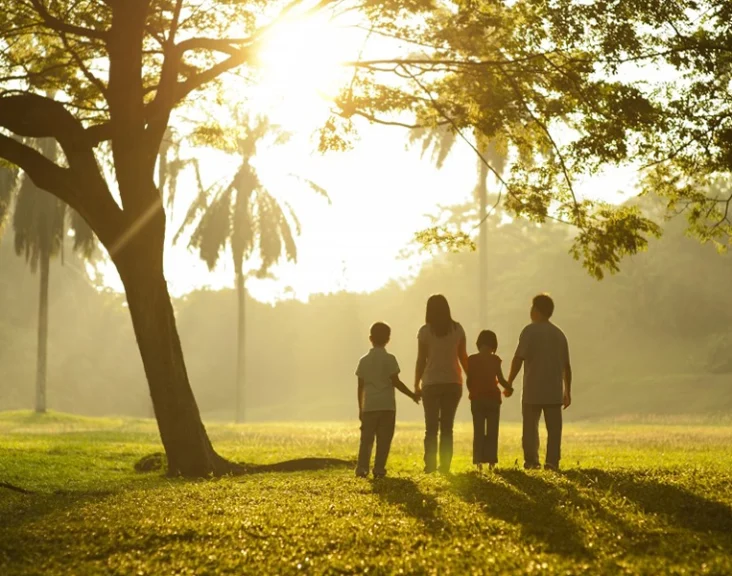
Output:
x=187 y=446
x=42 y=350
x=241 y=296
x=483 y=247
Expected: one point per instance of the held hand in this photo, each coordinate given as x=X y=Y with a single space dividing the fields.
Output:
x=416 y=398
x=508 y=392
x=567 y=400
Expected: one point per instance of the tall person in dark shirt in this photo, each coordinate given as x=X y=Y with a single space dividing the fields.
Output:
x=484 y=375
x=543 y=352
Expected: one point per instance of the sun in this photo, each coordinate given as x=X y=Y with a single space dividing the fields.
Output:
x=301 y=62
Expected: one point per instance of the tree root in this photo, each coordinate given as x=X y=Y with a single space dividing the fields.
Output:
x=16 y=488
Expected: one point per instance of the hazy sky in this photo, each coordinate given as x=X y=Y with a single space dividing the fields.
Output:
x=380 y=190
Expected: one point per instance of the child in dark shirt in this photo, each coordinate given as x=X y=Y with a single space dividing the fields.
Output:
x=484 y=375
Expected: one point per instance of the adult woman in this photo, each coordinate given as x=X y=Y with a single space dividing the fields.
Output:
x=440 y=352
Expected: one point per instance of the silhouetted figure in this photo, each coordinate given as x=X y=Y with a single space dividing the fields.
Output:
x=378 y=376
x=483 y=376
x=438 y=378
x=544 y=352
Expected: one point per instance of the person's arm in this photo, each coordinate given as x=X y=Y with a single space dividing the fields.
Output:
x=518 y=357
x=567 y=382
x=399 y=385
x=463 y=353
x=516 y=365
x=507 y=388
x=501 y=380
x=361 y=384
x=421 y=364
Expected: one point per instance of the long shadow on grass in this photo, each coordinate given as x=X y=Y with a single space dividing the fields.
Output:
x=157 y=462
x=528 y=501
x=296 y=465
x=405 y=493
x=680 y=506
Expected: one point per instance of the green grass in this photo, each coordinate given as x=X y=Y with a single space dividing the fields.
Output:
x=651 y=498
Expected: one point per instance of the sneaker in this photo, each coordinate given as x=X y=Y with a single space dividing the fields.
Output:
x=361 y=474
x=528 y=466
x=553 y=467
x=378 y=475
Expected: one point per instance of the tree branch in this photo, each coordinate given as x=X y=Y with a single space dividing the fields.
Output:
x=45 y=174
x=81 y=185
x=60 y=26
x=225 y=45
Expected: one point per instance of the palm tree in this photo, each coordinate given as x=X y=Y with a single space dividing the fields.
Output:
x=492 y=152
x=247 y=218
x=41 y=223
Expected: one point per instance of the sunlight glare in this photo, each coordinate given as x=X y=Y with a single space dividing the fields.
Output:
x=301 y=67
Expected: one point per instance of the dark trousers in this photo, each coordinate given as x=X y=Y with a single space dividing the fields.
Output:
x=530 y=440
x=440 y=403
x=378 y=425
x=486 y=416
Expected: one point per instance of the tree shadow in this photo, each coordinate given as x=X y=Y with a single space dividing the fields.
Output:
x=529 y=502
x=674 y=503
x=295 y=465
x=157 y=462
x=405 y=494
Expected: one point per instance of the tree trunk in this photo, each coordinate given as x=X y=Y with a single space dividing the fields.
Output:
x=187 y=446
x=483 y=247
x=241 y=296
x=42 y=350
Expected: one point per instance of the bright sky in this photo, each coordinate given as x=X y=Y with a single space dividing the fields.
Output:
x=381 y=191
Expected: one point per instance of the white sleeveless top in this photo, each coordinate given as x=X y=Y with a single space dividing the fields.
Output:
x=443 y=365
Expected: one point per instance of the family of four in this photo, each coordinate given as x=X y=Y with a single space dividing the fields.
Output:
x=542 y=351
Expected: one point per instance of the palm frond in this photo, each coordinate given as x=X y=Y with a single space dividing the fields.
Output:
x=84 y=239
x=285 y=232
x=244 y=227
x=198 y=206
x=293 y=217
x=440 y=139
x=270 y=241
x=319 y=190
x=214 y=229
x=9 y=177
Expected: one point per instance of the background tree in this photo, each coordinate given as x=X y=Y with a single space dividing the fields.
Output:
x=41 y=223
x=491 y=156
x=250 y=221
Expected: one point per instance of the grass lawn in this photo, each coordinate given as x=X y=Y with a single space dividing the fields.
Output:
x=652 y=498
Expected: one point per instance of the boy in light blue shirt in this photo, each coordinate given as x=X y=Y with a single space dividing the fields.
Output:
x=378 y=376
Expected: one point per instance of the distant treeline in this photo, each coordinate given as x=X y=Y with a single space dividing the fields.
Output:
x=655 y=338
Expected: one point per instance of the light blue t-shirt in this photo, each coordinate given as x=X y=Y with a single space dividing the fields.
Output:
x=376 y=370
x=545 y=351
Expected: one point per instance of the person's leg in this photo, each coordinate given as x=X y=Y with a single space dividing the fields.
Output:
x=369 y=422
x=553 y=421
x=431 y=406
x=493 y=416
x=384 y=436
x=476 y=409
x=450 y=398
x=531 y=413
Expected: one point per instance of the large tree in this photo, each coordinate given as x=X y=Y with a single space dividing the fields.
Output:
x=120 y=67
